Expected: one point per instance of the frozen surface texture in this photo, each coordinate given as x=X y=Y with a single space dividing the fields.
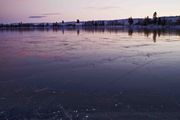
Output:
x=96 y=74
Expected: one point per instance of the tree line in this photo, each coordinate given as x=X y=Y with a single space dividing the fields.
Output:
x=154 y=21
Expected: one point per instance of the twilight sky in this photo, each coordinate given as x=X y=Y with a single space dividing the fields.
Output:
x=69 y=10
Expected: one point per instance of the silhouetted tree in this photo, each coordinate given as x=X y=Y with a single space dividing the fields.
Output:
x=146 y=20
x=130 y=21
x=55 y=24
x=78 y=21
x=155 y=17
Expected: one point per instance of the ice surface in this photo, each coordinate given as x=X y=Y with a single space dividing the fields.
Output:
x=90 y=74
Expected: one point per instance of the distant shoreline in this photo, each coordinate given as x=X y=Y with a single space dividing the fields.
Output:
x=170 y=22
x=133 y=27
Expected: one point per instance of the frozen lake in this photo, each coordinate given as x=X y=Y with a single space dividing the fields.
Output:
x=94 y=74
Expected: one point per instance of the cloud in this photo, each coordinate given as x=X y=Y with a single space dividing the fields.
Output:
x=43 y=15
x=36 y=17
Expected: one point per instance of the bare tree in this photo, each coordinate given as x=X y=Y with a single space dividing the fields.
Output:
x=78 y=21
x=155 y=17
x=130 y=21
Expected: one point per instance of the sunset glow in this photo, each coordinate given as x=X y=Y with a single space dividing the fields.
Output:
x=70 y=10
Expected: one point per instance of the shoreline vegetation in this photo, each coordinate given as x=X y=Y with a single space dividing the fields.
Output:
x=167 y=22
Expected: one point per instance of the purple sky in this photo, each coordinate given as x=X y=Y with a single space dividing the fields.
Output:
x=69 y=10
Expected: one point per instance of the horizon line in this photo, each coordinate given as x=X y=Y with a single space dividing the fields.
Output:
x=90 y=20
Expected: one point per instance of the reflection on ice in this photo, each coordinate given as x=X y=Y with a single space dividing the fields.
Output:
x=89 y=74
